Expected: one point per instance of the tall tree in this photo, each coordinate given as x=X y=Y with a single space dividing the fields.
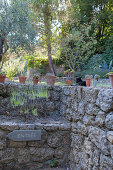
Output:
x=16 y=31
x=95 y=12
x=46 y=19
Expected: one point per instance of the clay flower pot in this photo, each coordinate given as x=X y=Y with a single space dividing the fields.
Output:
x=22 y=79
x=69 y=82
x=88 y=82
x=111 y=79
x=50 y=79
x=2 y=78
x=35 y=81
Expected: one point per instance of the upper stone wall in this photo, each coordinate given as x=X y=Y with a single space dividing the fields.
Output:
x=45 y=106
x=90 y=111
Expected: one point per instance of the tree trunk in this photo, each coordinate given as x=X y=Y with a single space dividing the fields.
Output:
x=48 y=34
x=1 y=49
x=50 y=58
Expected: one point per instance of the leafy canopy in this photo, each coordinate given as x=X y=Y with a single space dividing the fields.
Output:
x=16 y=30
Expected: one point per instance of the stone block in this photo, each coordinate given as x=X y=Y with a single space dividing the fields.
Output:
x=105 y=99
x=106 y=162
x=98 y=137
x=88 y=120
x=13 y=144
x=41 y=154
x=79 y=128
x=90 y=94
x=2 y=144
x=109 y=121
x=91 y=109
x=23 y=155
x=55 y=140
x=77 y=141
x=110 y=136
x=7 y=155
x=9 y=126
x=100 y=119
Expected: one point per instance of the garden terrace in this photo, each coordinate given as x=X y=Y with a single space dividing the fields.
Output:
x=77 y=129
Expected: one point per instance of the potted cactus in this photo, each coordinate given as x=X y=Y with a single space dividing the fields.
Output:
x=96 y=78
x=35 y=79
x=68 y=73
x=2 y=77
x=110 y=74
x=22 y=78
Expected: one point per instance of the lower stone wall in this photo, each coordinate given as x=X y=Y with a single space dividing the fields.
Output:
x=52 y=150
x=90 y=111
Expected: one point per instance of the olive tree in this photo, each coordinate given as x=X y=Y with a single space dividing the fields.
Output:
x=16 y=30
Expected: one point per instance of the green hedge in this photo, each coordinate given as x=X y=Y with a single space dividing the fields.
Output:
x=82 y=74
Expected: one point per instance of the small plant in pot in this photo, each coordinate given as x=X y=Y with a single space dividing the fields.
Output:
x=35 y=79
x=50 y=78
x=110 y=74
x=22 y=78
x=95 y=80
x=88 y=80
x=68 y=73
x=2 y=76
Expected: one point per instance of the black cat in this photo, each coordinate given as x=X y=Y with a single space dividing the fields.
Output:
x=80 y=82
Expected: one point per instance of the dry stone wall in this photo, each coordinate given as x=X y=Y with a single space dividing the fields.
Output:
x=53 y=149
x=90 y=112
x=44 y=106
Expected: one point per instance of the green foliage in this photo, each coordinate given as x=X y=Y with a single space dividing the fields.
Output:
x=35 y=61
x=78 y=48
x=12 y=67
x=107 y=75
x=94 y=62
x=99 y=72
x=2 y=73
x=40 y=62
x=99 y=61
x=54 y=163
x=16 y=29
x=35 y=76
x=60 y=74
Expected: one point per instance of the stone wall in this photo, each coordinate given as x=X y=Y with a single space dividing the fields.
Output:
x=44 y=106
x=52 y=150
x=90 y=112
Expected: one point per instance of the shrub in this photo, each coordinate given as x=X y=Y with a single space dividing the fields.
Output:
x=100 y=72
x=12 y=67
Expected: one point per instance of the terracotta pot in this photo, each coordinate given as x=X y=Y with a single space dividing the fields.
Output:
x=50 y=79
x=88 y=82
x=111 y=79
x=35 y=81
x=22 y=79
x=69 y=82
x=2 y=78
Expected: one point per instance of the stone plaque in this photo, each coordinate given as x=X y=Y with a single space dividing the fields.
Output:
x=25 y=135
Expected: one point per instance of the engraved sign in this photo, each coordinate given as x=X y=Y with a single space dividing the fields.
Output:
x=25 y=135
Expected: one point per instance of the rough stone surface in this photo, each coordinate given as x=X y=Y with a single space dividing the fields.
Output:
x=98 y=137
x=109 y=121
x=31 y=155
x=110 y=136
x=84 y=140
